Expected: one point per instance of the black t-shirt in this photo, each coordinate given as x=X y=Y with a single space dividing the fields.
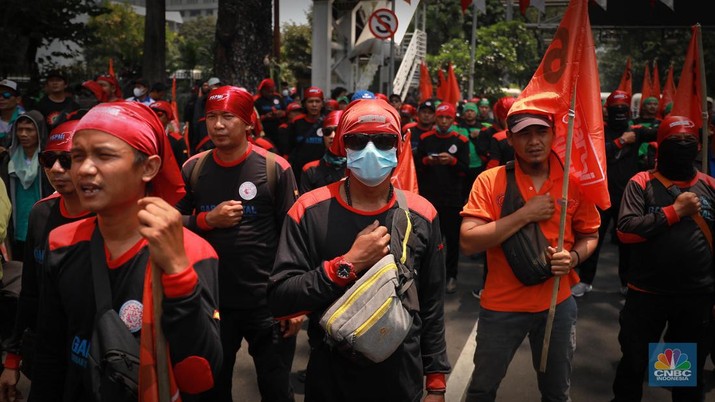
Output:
x=267 y=105
x=52 y=110
x=442 y=184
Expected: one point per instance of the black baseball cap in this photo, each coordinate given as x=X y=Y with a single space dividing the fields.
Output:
x=55 y=74
x=428 y=104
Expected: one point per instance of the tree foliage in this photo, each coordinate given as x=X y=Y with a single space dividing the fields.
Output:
x=196 y=42
x=119 y=35
x=296 y=55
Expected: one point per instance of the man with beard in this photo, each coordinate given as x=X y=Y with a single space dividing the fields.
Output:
x=667 y=216
x=622 y=144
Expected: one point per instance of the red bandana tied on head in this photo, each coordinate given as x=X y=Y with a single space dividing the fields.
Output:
x=137 y=125
x=60 y=138
x=96 y=89
x=446 y=109
x=164 y=106
x=233 y=100
x=313 y=92
x=367 y=116
x=332 y=118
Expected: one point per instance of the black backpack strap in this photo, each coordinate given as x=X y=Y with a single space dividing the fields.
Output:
x=100 y=276
x=196 y=171
x=513 y=199
x=271 y=172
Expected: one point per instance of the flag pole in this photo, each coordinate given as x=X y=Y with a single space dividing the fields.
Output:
x=703 y=100
x=562 y=229
x=472 y=50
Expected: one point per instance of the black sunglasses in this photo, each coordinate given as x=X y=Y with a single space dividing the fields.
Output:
x=47 y=159
x=357 y=142
x=8 y=95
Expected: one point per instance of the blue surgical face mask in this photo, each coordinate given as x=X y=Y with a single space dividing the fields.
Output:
x=370 y=165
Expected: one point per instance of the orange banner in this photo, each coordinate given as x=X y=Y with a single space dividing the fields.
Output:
x=626 y=83
x=570 y=62
x=442 y=87
x=668 y=93
x=655 y=86
x=426 y=89
x=455 y=94
x=688 y=98
x=647 y=87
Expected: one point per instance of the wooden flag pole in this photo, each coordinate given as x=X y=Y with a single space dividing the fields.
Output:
x=562 y=230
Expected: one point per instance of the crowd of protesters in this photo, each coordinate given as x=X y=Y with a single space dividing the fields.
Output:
x=253 y=210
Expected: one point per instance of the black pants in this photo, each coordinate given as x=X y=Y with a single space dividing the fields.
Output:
x=587 y=270
x=272 y=354
x=643 y=320
x=449 y=223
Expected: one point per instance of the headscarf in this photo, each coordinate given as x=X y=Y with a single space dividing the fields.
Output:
x=61 y=137
x=164 y=106
x=231 y=99
x=446 y=109
x=313 y=92
x=27 y=173
x=112 y=80
x=368 y=116
x=137 y=125
x=267 y=83
x=96 y=89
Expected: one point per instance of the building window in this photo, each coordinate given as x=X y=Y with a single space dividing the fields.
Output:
x=194 y=13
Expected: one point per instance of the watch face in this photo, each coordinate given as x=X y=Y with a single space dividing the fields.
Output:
x=344 y=271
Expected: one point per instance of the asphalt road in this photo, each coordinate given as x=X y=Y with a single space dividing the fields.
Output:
x=597 y=350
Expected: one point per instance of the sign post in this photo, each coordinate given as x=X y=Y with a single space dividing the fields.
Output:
x=383 y=25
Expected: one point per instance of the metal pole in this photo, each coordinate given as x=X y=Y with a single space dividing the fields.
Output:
x=704 y=101
x=392 y=58
x=470 y=92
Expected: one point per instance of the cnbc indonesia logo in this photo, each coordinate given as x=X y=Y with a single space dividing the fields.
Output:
x=672 y=364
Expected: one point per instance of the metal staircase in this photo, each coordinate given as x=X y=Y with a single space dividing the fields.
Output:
x=368 y=72
x=407 y=75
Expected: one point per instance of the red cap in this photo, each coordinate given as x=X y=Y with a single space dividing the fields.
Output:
x=674 y=125
x=96 y=89
x=502 y=106
x=381 y=96
x=408 y=109
x=446 y=109
x=233 y=100
x=60 y=138
x=268 y=83
x=332 y=104
x=137 y=125
x=313 y=92
x=293 y=107
x=366 y=116
x=618 y=97
x=332 y=119
x=163 y=106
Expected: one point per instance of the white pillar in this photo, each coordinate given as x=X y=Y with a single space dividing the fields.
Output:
x=322 y=24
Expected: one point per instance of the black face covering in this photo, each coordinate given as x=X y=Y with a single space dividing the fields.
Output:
x=676 y=157
x=618 y=117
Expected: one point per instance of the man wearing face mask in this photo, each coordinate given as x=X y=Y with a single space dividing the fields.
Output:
x=622 y=144
x=332 y=235
x=667 y=216
x=442 y=161
x=141 y=92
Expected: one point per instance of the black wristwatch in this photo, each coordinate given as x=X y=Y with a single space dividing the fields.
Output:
x=345 y=269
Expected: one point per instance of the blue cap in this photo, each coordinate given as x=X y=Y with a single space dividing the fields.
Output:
x=362 y=95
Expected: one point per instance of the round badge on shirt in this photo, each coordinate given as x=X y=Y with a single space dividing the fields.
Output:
x=276 y=101
x=131 y=314
x=452 y=149
x=247 y=190
x=319 y=132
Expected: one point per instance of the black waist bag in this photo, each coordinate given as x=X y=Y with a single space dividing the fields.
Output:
x=525 y=249
x=114 y=351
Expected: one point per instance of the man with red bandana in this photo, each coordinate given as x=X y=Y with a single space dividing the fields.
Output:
x=270 y=107
x=499 y=150
x=50 y=212
x=123 y=170
x=111 y=87
x=667 y=215
x=239 y=210
x=330 y=168
x=165 y=113
x=306 y=144
x=442 y=161
x=332 y=235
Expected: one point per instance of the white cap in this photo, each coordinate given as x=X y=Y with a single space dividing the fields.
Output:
x=214 y=81
x=8 y=83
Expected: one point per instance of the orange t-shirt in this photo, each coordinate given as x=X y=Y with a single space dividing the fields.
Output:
x=503 y=291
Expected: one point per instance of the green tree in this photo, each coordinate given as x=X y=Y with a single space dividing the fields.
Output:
x=196 y=42
x=119 y=36
x=296 y=55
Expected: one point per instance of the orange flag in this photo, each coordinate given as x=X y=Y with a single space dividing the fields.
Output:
x=646 y=88
x=626 y=83
x=111 y=68
x=668 y=93
x=425 y=83
x=454 y=94
x=405 y=175
x=688 y=98
x=570 y=62
x=656 y=80
x=442 y=87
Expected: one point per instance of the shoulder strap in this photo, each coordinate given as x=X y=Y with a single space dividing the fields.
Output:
x=271 y=172
x=100 y=277
x=513 y=199
x=698 y=218
x=196 y=171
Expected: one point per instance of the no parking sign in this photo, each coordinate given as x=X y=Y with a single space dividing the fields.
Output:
x=383 y=23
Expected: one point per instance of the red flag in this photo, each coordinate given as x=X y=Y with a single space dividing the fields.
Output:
x=405 y=175
x=111 y=68
x=626 y=83
x=570 y=62
x=656 y=80
x=668 y=93
x=688 y=98
x=442 y=87
x=523 y=5
x=426 y=89
x=455 y=94
x=465 y=5
x=646 y=88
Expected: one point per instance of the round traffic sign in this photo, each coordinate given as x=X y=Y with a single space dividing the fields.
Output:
x=383 y=23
